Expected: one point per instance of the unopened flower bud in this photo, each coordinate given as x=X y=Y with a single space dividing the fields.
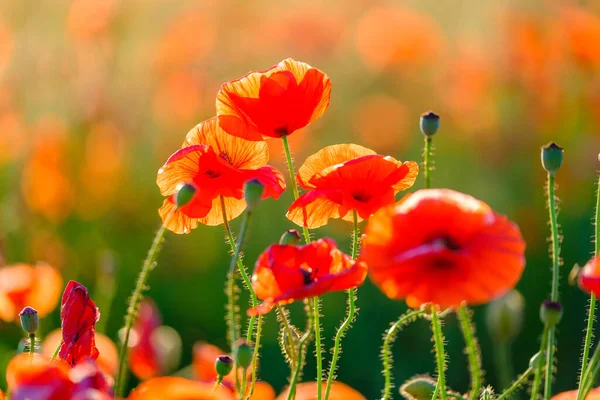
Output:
x=223 y=365
x=487 y=393
x=29 y=319
x=551 y=312
x=290 y=237
x=552 y=157
x=243 y=354
x=253 y=191
x=429 y=123
x=504 y=316
x=290 y=343
x=418 y=388
x=185 y=194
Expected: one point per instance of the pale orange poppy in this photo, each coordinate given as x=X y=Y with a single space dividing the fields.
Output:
x=177 y=388
x=339 y=391
x=594 y=394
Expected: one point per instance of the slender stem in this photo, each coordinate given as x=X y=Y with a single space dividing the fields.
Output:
x=504 y=363
x=386 y=352
x=349 y=317
x=521 y=380
x=436 y=391
x=290 y=163
x=555 y=281
x=466 y=326
x=296 y=375
x=587 y=380
x=537 y=377
x=136 y=297
x=56 y=351
x=438 y=338
x=318 y=349
x=244 y=383
x=290 y=333
x=32 y=343
x=232 y=317
x=255 y=356
x=427 y=162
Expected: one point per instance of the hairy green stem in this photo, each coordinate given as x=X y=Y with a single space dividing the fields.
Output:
x=427 y=162
x=296 y=375
x=290 y=164
x=136 y=297
x=55 y=354
x=438 y=338
x=466 y=326
x=588 y=376
x=290 y=333
x=349 y=317
x=255 y=356
x=32 y=343
x=520 y=381
x=318 y=348
x=386 y=352
x=555 y=245
x=436 y=391
x=537 y=377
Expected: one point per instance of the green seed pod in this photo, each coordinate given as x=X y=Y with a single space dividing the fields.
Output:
x=552 y=157
x=290 y=237
x=418 y=388
x=185 y=194
x=243 y=354
x=551 y=312
x=504 y=316
x=223 y=365
x=429 y=123
x=253 y=191
x=487 y=393
x=29 y=319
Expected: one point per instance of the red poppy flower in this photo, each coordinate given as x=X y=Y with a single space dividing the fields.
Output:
x=218 y=164
x=346 y=177
x=589 y=277
x=273 y=103
x=443 y=247
x=24 y=285
x=37 y=378
x=78 y=316
x=285 y=273
x=594 y=394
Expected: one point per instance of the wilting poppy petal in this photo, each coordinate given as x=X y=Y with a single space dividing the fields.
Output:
x=347 y=177
x=339 y=391
x=176 y=388
x=443 y=247
x=37 y=378
x=78 y=316
x=23 y=285
x=285 y=273
x=275 y=102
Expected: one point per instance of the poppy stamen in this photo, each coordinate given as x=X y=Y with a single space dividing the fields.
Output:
x=361 y=196
x=226 y=157
x=212 y=174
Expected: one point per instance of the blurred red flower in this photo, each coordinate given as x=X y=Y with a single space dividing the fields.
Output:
x=177 y=388
x=78 y=316
x=286 y=273
x=25 y=285
x=275 y=102
x=594 y=394
x=308 y=391
x=589 y=277
x=346 y=177
x=218 y=165
x=443 y=247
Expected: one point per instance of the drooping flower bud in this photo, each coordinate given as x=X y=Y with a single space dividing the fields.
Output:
x=290 y=237
x=504 y=316
x=29 y=319
x=418 y=388
x=429 y=123
x=185 y=194
x=551 y=312
x=552 y=157
x=243 y=354
x=223 y=366
x=253 y=191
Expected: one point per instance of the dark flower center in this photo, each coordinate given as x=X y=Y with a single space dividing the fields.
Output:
x=282 y=131
x=226 y=157
x=449 y=243
x=309 y=275
x=212 y=174
x=361 y=196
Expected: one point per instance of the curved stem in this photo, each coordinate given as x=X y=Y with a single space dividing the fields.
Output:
x=134 y=302
x=386 y=353
x=555 y=245
x=290 y=164
x=466 y=326
x=436 y=391
x=296 y=375
x=438 y=338
x=521 y=380
x=349 y=317
x=537 y=377
x=427 y=162
x=288 y=329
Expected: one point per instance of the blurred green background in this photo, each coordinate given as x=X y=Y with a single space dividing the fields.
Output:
x=95 y=95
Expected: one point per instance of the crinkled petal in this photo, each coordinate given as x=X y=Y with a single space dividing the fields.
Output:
x=315 y=208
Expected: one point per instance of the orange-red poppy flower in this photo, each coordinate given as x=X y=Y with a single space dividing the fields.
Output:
x=589 y=277
x=443 y=247
x=176 y=388
x=339 y=391
x=218 y=165
x=275 y=102
x=1 y=395
x=594 y=394
x=346 y=177
x=24 y=285
x=108 y=355
x=286 y=273
x=78 y=316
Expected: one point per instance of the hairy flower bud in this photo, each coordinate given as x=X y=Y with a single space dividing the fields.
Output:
x=253 y=191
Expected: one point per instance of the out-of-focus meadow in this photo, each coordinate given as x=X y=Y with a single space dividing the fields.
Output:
x=95 y=95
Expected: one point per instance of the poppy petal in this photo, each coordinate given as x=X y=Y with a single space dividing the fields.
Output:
x=177 y=388
x=175 y=220
x=339 y=391
x=233 y=207
x=182 y=166
x=272 y=180
x=315 y=208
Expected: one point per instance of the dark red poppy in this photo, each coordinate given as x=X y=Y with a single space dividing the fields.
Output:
x=78 y=315
x=286 y=273
x=273 y=103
